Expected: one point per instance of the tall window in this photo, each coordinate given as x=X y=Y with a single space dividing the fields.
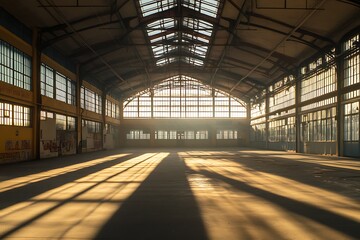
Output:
x=15 y=66
x=318 y=77
x=282 y=94
x=319 y=126
x=92 y=127
x=47 y=81
x=258 y=131
x=112 y=109
x=183 y=97
x=352 y=65
x=351 y=122
x=14 y=115
x=90 y=100
x=56 y=85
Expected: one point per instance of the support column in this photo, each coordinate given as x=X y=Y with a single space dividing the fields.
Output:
x=248 y=117
x=267 y=118
x=103 y=115
x=339 y=108
x=121 y=132
x=298 y=111
x=36 y=88
x=78 y=109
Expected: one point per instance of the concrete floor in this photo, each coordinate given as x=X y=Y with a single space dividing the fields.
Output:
x=181 y=194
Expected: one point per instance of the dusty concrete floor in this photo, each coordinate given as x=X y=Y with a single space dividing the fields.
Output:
x=181 y=194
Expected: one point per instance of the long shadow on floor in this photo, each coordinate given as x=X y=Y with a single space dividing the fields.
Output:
x=23 y=193
x=310 y=173
x=163 y=207
x=332 y=220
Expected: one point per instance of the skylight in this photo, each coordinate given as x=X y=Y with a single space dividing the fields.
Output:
x=193 y=35
x=149 y=7
x=207 y=7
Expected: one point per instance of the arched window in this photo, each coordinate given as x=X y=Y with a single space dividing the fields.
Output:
x=183 y=97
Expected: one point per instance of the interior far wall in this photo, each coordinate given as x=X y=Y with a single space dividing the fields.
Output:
x=150 y=126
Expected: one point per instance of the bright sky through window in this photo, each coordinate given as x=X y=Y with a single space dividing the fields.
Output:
x=183 y=97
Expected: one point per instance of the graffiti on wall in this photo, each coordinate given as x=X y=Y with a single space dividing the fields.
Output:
x=16 y=150
x=49 y=145
x=66 y=142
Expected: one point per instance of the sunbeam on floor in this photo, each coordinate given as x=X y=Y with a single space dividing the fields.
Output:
x=182 y=194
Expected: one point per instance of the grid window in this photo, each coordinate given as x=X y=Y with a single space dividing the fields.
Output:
x=92 y=127
x=60 y=122
x=90 y=100
x=282 y=99
x=319 y=126
x=352 y=65
x=15 y=66
x=71 y=123
x=6 y=114
x=258 y=132
x=226 y=134
x=351 y=122
x=60 y=87
x=56 y=85
x=14 y=115
x=161 y=134
x=320 y=79
x=172 y=134
x=71 y=92
x=201 y=134
x=258 y=109
x=137 y=135
x=189 y=135
x=47 y=81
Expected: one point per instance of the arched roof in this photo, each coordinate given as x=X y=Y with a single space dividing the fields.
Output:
x=238 y=46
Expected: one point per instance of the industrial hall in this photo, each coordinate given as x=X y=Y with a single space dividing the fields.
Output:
x=180 y=119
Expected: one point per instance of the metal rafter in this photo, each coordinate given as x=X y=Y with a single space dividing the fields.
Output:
x=317 y=6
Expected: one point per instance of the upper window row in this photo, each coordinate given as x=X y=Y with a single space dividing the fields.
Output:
x=15 y=66
x=112 y=109
x=57 y=86
x=90 y=100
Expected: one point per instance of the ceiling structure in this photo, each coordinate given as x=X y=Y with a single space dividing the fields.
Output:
x=238 y=46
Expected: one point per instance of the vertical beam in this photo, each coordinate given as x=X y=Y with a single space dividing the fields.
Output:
x=78 y=109
x=103 y=116
x=213 y=101
x=152 y=102
x=267 y=118
x=36 y=63
x=339 y=107
x=121 y=132
x=298 y=111
x=248 y=118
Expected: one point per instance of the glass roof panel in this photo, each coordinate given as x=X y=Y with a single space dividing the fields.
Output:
x=163 y=33
x=206 y=7
x=149 y=7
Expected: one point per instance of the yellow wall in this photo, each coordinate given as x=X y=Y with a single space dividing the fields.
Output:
x=15 y=143
x=15 y=94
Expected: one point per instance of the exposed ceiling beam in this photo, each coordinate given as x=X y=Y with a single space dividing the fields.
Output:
x=302 y=21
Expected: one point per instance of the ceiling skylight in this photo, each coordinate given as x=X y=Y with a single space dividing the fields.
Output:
x=149 y=7
x=167 y=34
x=207 y=7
